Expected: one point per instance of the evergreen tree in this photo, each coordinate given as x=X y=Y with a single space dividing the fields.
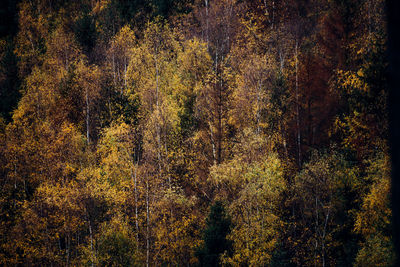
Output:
x=218 y=226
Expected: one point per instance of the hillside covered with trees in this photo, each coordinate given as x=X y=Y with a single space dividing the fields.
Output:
x=194 y=133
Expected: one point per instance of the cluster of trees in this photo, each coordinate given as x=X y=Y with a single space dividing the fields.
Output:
x=191 y=132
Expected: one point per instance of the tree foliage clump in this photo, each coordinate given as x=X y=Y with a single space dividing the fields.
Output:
x=218 y=226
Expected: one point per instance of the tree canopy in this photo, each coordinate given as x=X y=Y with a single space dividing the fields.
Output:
x=194 y=133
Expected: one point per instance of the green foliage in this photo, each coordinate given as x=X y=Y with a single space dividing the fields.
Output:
x=254 y=208
x=363 y=124
x=373 y=221
x=9 y=80
x=115 y=246
x=326 y=192
x=218 y=226
x=85 y=32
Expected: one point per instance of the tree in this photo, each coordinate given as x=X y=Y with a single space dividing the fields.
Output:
x=9 y=80
x=218 y=226
x=373 y=220
x=254 y=207
x=177 y=231
x=119 y=56
x=116 y=246
x=218 y=23
x=326 y=192
x=363 y=125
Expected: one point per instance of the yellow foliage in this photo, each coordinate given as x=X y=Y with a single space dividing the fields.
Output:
x=253 y=191
x=374 y=219
x=178 y=229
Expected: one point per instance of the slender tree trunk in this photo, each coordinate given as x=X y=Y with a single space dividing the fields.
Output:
x=324 y=231
x=167 y=164
x=323 y=238
x=136 y=206
x=113 y=67
x=285 y=146
x=125 y=73
x=68 y=245
x=214 y=151
x=87 y=115
x=281 y=60
x=369 y=21
x=215 y=138
x=15 y=173
x=147 y=224
x=220 y=100
x=266 y=10
x=91 y=241
x=207 y=25
x=134 y=180
x=219 y=151
x=48 y=239
x=258 y=106
x=297 y=106
x=316 y=231
x=158 y=113
x=273 y=15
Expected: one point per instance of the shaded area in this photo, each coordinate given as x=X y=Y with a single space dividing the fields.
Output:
x=393 y=11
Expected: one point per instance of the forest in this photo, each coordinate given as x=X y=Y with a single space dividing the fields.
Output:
x=194 y=133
